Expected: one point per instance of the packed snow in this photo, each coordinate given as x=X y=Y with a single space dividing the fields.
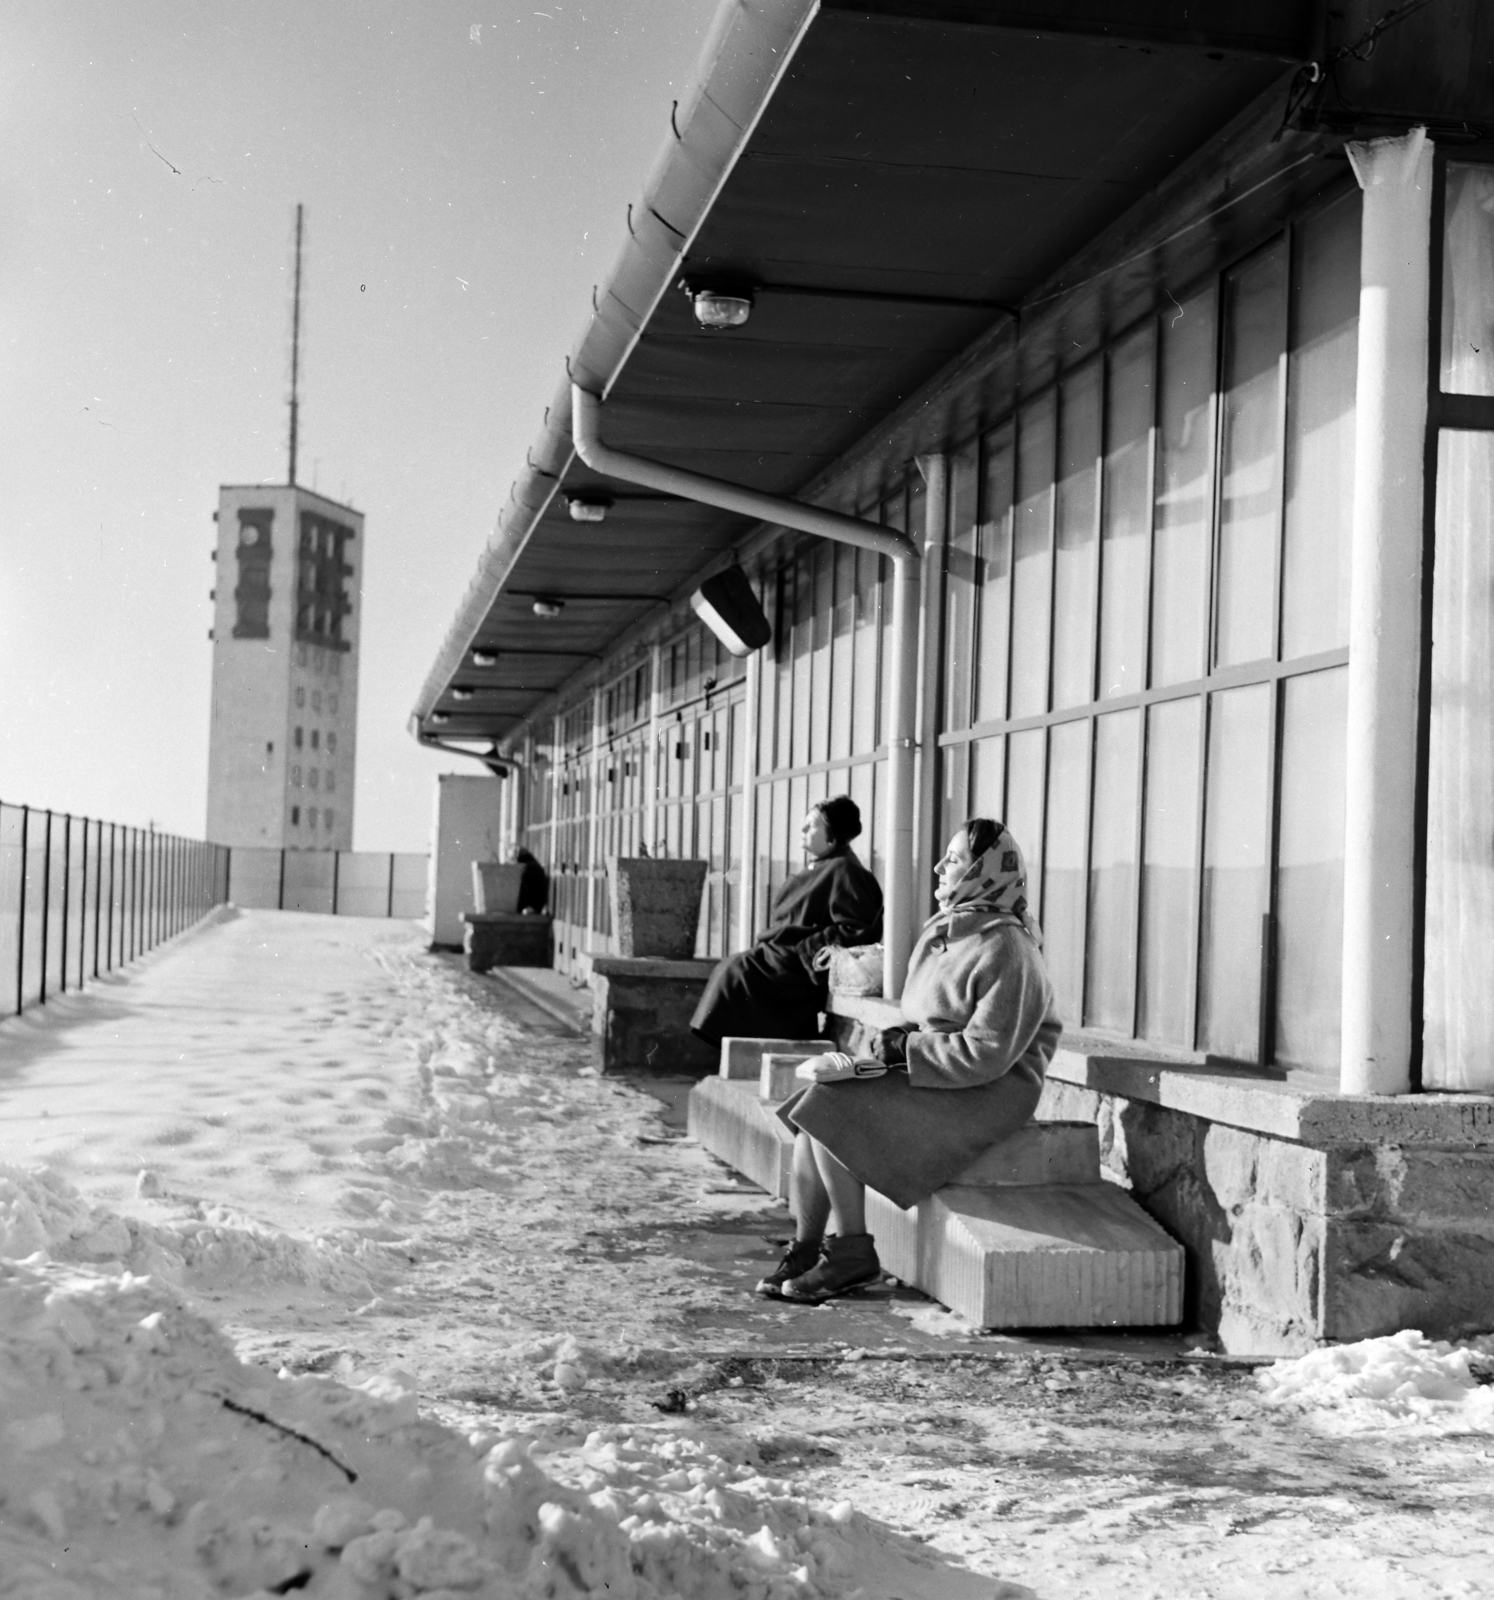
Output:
x=1403 y=1381
x=324 y=1268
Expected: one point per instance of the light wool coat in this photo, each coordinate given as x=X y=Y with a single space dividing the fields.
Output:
x=982 y=1002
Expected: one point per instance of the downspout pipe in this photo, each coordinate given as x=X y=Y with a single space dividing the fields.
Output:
x=586 y=412
x=898 y=907
x=490 y=759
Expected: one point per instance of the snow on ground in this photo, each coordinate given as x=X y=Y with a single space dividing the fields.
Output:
x=326 y=1267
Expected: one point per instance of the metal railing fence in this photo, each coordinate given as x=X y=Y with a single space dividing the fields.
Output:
x=80 y=898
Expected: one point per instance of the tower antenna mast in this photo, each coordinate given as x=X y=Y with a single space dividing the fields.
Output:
x=295 y=399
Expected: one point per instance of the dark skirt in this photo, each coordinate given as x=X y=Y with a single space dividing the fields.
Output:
x=761 y=993
x=904 y=1142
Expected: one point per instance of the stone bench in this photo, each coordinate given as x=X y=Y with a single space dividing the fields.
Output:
x=505 y=939
x=1028 y=1235
x=640 y=1014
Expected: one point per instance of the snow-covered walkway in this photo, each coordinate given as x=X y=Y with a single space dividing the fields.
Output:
x=408 y=1193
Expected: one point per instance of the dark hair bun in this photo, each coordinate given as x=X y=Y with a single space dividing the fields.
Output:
x=842 y=817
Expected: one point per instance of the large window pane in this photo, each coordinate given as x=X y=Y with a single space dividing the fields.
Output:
x=1026 y=763
x=1310 y=870
x=803 y=642
x=1250 y=466
x=866 y=685
x=1111 y=966
x=1185 y=492
x=1237 y=808
x=960 y=581
x=1169 y=881
x=994 y=575
x=1032 y=568
x=1126 y=533
x=988 y=778
x=1467 y=272
x=1320 y=431
x=954 y=801
x=841 y=648
x=823 y=616
x=1074 y=538
x=1459 y=998
x=1065 y=867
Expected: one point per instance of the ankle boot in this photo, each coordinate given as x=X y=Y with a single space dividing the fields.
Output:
x=847 y=1262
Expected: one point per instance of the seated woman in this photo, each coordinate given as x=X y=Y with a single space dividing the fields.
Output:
x=965 y=1070
x=534 y=883
x=773 y=990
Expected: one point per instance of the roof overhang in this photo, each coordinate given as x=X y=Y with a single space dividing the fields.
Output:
x=897 y=180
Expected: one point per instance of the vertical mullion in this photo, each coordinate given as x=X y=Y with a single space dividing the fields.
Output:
x=1266 y=1028
x=1018 y=422
x=1200 y=826
x=67 y=889
x=98 y=895
x=1154 y=438
x=1094 y=674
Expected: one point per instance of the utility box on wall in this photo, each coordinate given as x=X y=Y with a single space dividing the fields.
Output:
x=466 y=829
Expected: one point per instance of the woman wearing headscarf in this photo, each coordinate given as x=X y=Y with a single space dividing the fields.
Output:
x=774 y=989
x=964 y=1070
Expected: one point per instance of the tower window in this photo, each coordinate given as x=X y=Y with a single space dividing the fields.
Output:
x=298 y=739
x=316 y=699
x=332 y=704
x=315 y=734
x=322 y=600
x=331 y=781
x=295 y=816
x=300 y=696
x=332 y=737
x=296 y=777
x=311 y=816
x=252 y=593
x=327 y=818
x=312 y=776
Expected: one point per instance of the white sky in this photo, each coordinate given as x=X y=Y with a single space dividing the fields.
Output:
x=462 y=197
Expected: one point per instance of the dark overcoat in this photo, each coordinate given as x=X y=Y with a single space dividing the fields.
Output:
x=771 y=991
x=981 y=1000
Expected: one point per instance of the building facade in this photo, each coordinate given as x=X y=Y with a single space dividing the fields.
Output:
x=1167 y=346
x=283 y=742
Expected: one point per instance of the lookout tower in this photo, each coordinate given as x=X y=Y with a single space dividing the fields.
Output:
x=283 y=742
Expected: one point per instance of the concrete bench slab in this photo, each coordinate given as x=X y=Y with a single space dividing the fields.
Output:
x=1035 y=1256
x=729 y=1119
x=776 y=1078
x=743 y=1058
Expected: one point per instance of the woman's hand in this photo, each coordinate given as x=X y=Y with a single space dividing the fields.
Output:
x=835 y=1066
x=890 y=1046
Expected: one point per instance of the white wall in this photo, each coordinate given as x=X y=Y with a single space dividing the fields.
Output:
x=467 y=828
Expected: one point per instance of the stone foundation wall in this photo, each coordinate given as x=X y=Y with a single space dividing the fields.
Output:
x=1290 y=1245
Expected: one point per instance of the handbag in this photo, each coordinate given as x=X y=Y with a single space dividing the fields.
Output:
x=851 y=969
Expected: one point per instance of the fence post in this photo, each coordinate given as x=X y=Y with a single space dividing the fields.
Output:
x=67 y=874
x=83 y=909
x=21 y=915
x=46 y=915
x=280 y=892
x=98 y=895
x=336 y=861
x=389 y=910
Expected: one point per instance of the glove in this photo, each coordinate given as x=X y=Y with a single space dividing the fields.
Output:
x=890 y=1046
x=836 y=1065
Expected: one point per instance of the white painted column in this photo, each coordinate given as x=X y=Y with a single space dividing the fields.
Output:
x=898 y=915
x=651 y=774
x=752 y=715
x=593 y=821
x=1385 y=613
x=935 y=470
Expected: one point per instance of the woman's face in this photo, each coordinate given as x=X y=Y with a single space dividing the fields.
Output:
x=814 y=836
x=954 y=861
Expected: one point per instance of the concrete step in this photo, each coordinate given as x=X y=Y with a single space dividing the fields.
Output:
x=777 y=1080
x=743 y=1057
x=1035 y=1256
x=728 y=1117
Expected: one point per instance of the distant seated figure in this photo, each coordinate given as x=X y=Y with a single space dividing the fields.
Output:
x=773 y=989
x=534 y=886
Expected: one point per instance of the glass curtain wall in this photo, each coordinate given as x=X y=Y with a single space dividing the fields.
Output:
x=641 y=765
x=1146 y=643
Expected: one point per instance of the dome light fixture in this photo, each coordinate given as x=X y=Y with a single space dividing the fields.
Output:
x=588 y=506
x=461 y=694
x=548 y=608
x=484 y=658
x=719 y=304
x=440 y=716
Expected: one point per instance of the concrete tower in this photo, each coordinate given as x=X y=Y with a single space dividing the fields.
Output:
x=283 y=744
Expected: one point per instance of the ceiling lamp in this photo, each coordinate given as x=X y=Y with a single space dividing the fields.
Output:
x=439 y=716
x=728 y=607
x=548 y=608
x=716 y=308
x=484 y=658
x=588 y=507
x=461 y=694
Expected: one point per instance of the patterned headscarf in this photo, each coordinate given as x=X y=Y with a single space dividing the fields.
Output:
x=993 y=885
